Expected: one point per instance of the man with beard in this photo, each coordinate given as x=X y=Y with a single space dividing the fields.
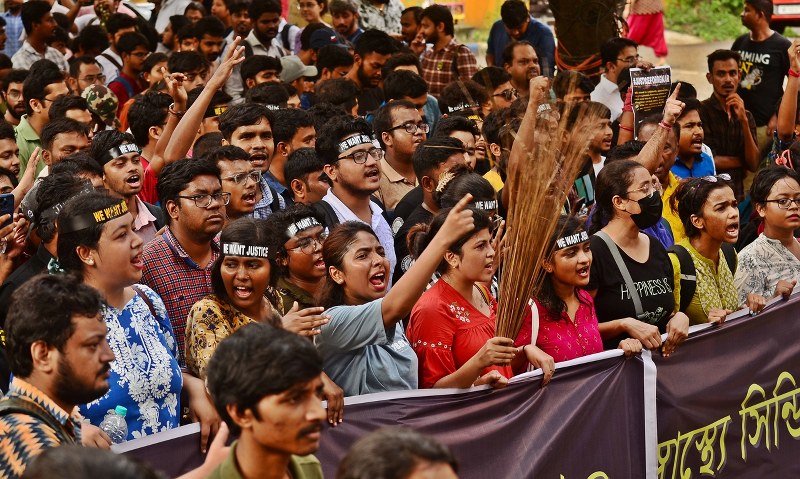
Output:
x=59 y=356
x=14 y=27
x=448 y=60
x=400 y=130
x=120 y=159
x=728 y=128
x=267 y=386
x=84 y=72
x=177 y=263
x=516 y=24
x=372 y=50
x=12 y=96
x=266 y=18
x=352 y=161
x=9 y=151
x=522 y=63
x=40 y=28
x=240 y=18
x=133 y=48
x=345 y=19
x=211 y=32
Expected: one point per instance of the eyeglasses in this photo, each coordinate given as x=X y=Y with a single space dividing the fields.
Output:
x=240 y=178
x=360 y=157
x=54 y=99
x=14 y=95
x=94 y=78
x=204 y=201
x=309 y=245
x=508 y=94
x=648 y=190
x=412 y=128
x=785 y=203
x=140 y=54
x=630 y=60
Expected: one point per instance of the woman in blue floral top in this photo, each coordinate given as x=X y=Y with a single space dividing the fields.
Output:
x=96 y=240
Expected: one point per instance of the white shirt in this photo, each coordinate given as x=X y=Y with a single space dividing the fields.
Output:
x=379 y=225
x=168 y=9
x=110 y=70
x=607 y=93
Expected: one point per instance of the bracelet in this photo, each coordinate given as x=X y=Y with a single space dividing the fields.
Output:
x=664 y=125
x=172 y=111
x=623 y=127
x=793 y=73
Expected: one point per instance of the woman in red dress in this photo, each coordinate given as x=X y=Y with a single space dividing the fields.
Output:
x=452 y=327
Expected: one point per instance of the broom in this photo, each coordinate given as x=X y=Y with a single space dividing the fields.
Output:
x=541 y=172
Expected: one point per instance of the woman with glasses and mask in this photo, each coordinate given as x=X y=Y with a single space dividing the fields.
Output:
x=295 y=238
x=96 y=240
x=770 y=265
x=705 y=261
x=631 y=275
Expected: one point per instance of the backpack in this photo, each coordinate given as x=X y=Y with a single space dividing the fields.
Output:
x=689 y=273
x=14 y=405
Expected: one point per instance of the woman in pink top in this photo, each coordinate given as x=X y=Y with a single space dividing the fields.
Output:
x=567 y=326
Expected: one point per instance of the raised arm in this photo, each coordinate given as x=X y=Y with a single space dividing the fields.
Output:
x=787 y=112
x=185 y=132
x=650 y=156
x=401 y=298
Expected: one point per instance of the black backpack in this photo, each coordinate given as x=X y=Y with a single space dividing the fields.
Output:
x=689 y=273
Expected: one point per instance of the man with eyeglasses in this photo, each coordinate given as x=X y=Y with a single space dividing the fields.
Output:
x=134 y=49
x=83 y=72
x=352 y=161
x=44 y=85
x=239 y=178
x=400 y=130
x=177 y=263
x=12 y=96
x=616 y=54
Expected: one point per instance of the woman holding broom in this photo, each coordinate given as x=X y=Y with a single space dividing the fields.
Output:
x=568 y=327
x=452 y=327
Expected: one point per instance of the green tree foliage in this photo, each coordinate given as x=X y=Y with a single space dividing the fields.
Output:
x=708 y=19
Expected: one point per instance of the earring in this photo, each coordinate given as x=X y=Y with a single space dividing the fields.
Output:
x=90 y=262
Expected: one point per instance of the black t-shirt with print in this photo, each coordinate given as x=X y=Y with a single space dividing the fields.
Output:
x=761 y=73
x=404 y=260
x=653 y=280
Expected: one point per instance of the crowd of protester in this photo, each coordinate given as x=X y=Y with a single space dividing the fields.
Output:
x=216 y=216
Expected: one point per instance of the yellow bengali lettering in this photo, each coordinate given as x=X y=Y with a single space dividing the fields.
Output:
x=709 y=437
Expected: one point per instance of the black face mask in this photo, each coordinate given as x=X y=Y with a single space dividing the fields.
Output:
x=651 y=207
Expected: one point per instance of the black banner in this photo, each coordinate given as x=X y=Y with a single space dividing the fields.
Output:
x=727 y=400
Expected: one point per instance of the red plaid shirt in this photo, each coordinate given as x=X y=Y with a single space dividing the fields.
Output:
x=437 y=66
x=180 y=282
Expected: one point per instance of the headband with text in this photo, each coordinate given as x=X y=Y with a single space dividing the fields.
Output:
x=77 y=223
x=248 y=250
x=354 y=141
x=301 y=225
x=123 y=150
x=571 y=240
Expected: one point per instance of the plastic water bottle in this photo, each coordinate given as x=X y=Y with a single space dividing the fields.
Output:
x=115 y=426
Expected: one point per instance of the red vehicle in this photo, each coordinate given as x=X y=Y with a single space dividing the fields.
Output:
x=785 y=13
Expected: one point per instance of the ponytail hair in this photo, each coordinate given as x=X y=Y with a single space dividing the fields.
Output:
x=421 y=235
x=615 y=179
x=334 y=249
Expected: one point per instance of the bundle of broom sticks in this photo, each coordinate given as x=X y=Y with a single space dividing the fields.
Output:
x=549 y=151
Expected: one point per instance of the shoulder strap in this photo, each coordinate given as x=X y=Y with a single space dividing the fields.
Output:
x=729 y=251
x=14 y=405
x=688 y=275
x=111 y=59
x=146 y=300
x=275 y=206
x=454 y=63
x=126 y=84
x=623 y=270
x=328 y=214
x=285 y=36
